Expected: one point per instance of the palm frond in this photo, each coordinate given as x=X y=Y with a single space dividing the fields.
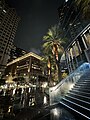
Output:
x=47 y=44
x=47 y=47
x=46 y=37
x=85 y=7
x=78 y=2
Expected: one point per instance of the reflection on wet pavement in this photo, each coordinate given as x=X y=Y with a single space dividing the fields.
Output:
x=15 y=101
x=60 y=114
x=56 y=112
x=29 y=104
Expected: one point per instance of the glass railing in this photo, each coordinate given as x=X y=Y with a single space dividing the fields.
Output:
x=61 y=89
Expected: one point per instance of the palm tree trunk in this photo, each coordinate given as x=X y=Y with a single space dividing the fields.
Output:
x=59 y=71
x=49 y=69
x=57 y=63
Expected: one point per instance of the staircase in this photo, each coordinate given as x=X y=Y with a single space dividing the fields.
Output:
x=78 y=98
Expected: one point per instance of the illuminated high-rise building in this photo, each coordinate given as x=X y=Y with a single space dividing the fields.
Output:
x=77 y=30
x=70 y=19
x=8 y=26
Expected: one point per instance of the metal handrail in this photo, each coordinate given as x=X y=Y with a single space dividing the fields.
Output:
x=81 y=70
x=59 y=91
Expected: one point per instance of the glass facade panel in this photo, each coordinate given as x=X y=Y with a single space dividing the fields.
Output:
x=71 y=52
x=79 y=47
x=76 y=49
x=88 y=39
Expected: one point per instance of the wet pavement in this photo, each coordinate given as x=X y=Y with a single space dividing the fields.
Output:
x=55 y=112
x=19 y=103
x=30 y=104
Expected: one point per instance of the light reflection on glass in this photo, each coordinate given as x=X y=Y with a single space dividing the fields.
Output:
x=29 y=103
x=32 y=101
x=45 y=100
x=55 y=111
x=29 y=90
x=71 y=86
x=14 y=91
x=59 y=113
x=22 y=90
x=55 y=114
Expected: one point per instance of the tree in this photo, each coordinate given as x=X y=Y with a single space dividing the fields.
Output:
x=53 y=47
x=84 y=5
x=49 y=66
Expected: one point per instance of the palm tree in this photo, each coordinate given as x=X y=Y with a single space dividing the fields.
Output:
x=85 y=7
x=48 y=64
x=53 y=44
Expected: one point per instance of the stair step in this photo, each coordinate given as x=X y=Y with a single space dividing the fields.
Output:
x=78 y=101
x=87 y=74
x=80 y=93
x=85 y=78
x=80 y=106
x=79 y=96
x=73 y=109
x=83 y=81
x=79 y=86
x=84 y=90
x=82 y=110
x=82 y=84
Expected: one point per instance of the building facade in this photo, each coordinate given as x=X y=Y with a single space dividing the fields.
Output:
x=78 y=51
x=8 y=26
x=28 y=66
x=77 y=30
x=70 y=20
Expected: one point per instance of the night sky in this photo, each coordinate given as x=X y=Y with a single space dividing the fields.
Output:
x=37 y=16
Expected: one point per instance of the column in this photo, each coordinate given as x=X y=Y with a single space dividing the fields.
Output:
x=29 y=68
x=69 y=59
x=71 y=54
x=79 y=49
x=66 y=56
x=75 y=56
x=84 y=42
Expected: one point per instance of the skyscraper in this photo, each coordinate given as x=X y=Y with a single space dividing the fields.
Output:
x=70 y=19
x=77 y=29
x=8 y=26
